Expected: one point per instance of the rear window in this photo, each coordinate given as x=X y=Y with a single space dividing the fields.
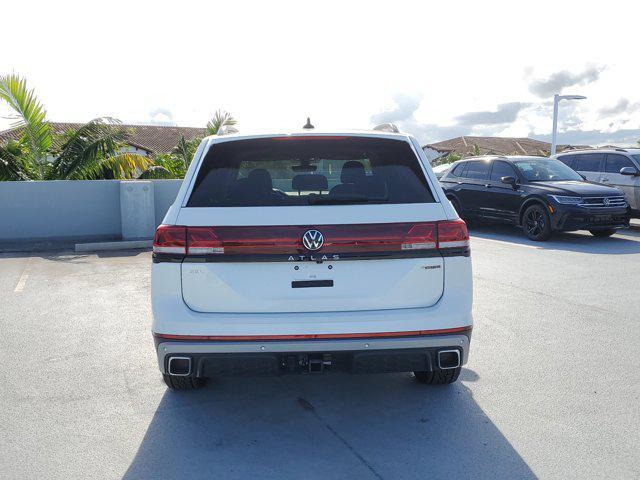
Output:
x=287 y=171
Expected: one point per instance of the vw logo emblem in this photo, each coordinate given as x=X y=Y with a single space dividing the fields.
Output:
x=312 y=240
x=606 y=201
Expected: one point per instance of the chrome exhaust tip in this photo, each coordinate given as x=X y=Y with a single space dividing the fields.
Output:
x=179 y=366
x=448 y=359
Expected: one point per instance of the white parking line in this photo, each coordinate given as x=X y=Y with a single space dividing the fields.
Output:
x=23 y=278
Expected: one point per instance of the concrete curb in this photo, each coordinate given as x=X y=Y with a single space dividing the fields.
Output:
x=119 y=245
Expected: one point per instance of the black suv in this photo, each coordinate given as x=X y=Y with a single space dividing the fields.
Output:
x=540 y=194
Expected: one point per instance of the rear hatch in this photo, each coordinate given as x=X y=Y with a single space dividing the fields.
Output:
x=311 y=224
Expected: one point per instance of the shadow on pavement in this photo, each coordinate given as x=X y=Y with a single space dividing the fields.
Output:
x=625 y=241
x=336 y=426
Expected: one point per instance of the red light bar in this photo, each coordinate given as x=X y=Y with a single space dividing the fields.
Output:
x=353 y=238
x=312 y=336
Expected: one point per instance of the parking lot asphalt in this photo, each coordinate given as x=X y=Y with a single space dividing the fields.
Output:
x=551 y=390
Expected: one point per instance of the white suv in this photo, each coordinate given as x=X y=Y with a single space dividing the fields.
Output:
x=307 y=253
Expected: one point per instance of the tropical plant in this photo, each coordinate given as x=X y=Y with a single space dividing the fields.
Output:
x=93 y=151
x=220 y=119
x=30 y=115
x=176 y=163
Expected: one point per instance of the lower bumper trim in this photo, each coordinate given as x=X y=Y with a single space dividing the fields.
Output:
x=312 y=336
x=223 y=353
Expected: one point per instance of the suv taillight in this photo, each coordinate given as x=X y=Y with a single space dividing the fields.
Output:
x=358 y=238
x=170 y=239
x=453 y=234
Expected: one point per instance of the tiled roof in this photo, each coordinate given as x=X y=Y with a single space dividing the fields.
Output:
x=466 y=146
x=153 y=138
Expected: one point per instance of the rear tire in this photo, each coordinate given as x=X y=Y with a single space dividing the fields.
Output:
x=439 y=377
x=603 y=233
x=536 y=223
x=183 y=383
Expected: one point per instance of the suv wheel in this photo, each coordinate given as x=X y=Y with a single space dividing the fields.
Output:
x=440 y=377
x=536 y=223
x=603 y=233
x=183 y=383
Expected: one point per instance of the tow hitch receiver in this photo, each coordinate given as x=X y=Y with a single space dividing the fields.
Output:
x=306 y=363
x=317 y=363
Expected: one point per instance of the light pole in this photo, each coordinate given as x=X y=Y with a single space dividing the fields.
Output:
x=554 y=132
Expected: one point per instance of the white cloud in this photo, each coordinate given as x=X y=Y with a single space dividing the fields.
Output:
x=558 y=81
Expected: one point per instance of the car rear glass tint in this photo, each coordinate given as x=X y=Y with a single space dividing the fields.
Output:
x=286 y=171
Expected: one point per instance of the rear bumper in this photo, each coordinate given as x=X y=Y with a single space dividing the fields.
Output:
x=265 y=358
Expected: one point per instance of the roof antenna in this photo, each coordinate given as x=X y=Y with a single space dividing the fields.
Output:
x=308 y=125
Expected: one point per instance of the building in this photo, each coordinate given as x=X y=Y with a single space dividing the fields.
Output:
x=470 y=146
x=145 y=139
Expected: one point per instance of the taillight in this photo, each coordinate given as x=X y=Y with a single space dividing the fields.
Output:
x=352 y=239
x=453 y=234
x=170 y=239
x=203 y=241
x=421 y=236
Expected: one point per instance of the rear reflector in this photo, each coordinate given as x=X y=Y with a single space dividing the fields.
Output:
x=273 y=240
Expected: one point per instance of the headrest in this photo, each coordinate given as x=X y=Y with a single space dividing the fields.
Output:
x=260 y=179
x=309 y=182
x=352 y=172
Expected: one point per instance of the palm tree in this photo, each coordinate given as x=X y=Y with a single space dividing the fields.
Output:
x=92 y=151
x=220 y=119
x=29 y=115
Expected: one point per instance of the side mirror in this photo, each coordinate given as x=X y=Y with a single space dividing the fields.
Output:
x=510 y=181
x=630 y=171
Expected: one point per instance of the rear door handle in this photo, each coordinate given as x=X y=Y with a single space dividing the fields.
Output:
x=487 y=185
x=606 y=179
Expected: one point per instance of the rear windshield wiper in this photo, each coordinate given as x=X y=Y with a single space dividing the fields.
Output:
x=315 y=199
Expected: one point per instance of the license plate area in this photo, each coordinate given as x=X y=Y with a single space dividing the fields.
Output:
x=311 y=283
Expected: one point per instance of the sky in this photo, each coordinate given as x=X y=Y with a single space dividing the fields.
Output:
x=437 y=69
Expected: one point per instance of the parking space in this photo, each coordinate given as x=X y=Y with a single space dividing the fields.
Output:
x=551 y=389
